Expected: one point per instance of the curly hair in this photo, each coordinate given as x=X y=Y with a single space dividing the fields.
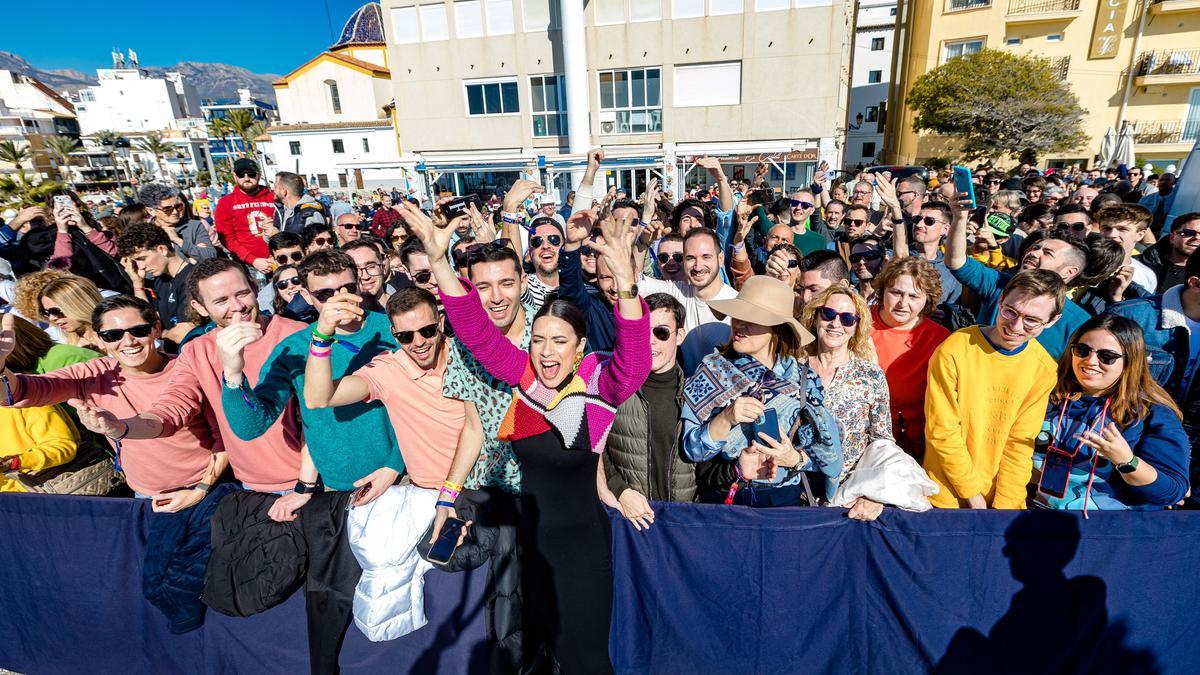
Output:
x=153 y=194
x=142 y=237
x=860 y=342
x=923 y=273
x=28 y=293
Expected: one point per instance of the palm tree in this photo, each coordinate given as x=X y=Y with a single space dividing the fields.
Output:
x=110 y=139
x=221 y=129
x=255 y=130
x=15 y=154
x=241 y=122
x=154 y=144
x=61 y=147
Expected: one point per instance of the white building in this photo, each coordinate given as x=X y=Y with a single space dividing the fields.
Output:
x=335 y=115
x=30 y=112
x=874 y=43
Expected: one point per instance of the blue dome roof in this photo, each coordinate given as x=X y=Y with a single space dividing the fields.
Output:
x=365 y=26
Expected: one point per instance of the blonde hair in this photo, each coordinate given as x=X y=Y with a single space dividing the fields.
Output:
x=860 y=341
x=77 y=297
x=28 y=292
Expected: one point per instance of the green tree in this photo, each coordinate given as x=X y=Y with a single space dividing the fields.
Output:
x=999 y=105
x=221 y=128
x=154 y=144
x=15 y=154
x=109 y=141
x=244 y=126
x=21 y=191
x=60 y=148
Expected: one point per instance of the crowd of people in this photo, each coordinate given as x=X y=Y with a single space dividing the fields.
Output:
x=525 y=363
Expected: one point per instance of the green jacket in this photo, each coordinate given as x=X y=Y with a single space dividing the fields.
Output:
x=629 y=461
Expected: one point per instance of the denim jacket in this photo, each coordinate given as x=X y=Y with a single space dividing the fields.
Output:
x=1166 y=334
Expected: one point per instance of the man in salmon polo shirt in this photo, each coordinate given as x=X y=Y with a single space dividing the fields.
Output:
x=221 y=290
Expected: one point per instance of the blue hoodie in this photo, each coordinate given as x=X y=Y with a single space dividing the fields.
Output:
x=1158 y=440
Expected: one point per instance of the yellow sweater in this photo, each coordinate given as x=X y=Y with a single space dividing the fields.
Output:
x=42 y=437
x=983 y=410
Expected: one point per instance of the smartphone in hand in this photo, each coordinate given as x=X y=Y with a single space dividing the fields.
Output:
x=963 y=183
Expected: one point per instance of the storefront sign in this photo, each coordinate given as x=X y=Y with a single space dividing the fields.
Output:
x=807 y=155
x=1106 y=34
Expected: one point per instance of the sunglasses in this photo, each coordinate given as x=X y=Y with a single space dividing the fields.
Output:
x=294 y=256
x=1188 y=233
x=856 y=221
x=993 y=181
x=587 y=250
x=322 y=241
x=661 y=333
x=406 y=336
x=536 y=242
x=869 y=256
x=422 y=277
x=475 y=252
x=53 y=313
x=1106 y=356
x=930 y=220
x=171 y=208
x=348 y=226
x=1078 y=226
x=283 y=284
x=246 y=174
x=848 y=319
x=664 y=258
x=797 y=204
x=324 y=294
x=115 y=334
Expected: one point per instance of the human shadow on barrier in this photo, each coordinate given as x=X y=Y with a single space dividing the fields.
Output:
x=1054 y=625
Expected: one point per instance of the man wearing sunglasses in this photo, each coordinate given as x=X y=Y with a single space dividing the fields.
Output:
x=148 y=255
x=1168 y=256
x=597 y=306
x=244 y=216
x=294 y=208
x=806 y=223
x=1075 y=219
x=670 y=257
x=545 y=240
x=867 y=256
x=348 y=228
x=928 y=230
x=189 y=237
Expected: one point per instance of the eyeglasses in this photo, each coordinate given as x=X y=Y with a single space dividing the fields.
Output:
x=847 y=319
x=406 y=336
x=283 y=284
x=115 y=334
x=294 y=256
x=869 y=256
x=537 y=241
x=906 y=192
x=52 y=313
x=1031 y=323
x=1106 y=356
x=422 y=277
x=322 y=241
x=324 y=294
x=993 y=181
x=1188 y=233
x=170 y=208
x=370 y=270
x=661 y=333
x=797 y=204
x=246 y=174
x=664 y=258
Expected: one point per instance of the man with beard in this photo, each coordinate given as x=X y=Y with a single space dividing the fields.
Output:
x=244 y=216
x=545 y=240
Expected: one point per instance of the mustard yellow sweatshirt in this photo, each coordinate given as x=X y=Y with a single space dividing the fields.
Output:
x=983 y=409
x=42 y=437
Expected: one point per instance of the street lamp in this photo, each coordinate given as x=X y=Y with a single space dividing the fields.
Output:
x=858 y=122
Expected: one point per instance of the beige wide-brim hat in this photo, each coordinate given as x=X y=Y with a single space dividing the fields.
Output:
x=765 y=301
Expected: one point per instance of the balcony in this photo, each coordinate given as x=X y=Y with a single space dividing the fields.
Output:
x=1035 y=11
x=1168 y=66
x=963 y=5
x=1174 y=6
x=1060 y=66
x=1152 y=136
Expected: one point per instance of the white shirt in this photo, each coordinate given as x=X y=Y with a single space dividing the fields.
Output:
x=1143 y=276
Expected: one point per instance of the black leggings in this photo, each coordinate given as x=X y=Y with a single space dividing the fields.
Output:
x=566 y=558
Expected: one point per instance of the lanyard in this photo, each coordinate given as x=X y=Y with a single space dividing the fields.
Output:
x=1096 y=428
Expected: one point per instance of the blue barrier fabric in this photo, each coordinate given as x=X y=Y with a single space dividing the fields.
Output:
x=708 y=589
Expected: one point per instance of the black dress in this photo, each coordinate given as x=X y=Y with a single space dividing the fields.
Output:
x=566 y=558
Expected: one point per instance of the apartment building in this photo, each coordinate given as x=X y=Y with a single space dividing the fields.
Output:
x=1129 y=62
x=31 y=112
x=487 y=91
x=874 y=41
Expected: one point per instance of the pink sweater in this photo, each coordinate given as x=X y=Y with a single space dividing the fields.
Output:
x=268 y=463
x=151 y=466
x=64 y=248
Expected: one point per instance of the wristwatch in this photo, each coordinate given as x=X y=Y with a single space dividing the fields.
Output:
x=629 y=294
x=202 y=486
x=1128 y=467
x=303 y=488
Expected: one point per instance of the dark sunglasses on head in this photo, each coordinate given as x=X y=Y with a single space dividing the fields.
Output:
x=869 y=256
x=406 y=336
x=796 y=203
x=661 y=333
x=324 y=294
x=115 y=334
x=246 y=174
x=475 y=252
x=52 y=313
x=1106 y=356
x=536 y=242
x=294 y=256
x=422 y=277
x=848 y=319
x=664 y=258
x=282 y=284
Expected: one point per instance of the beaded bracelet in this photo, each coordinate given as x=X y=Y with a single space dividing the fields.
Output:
x=442 y=502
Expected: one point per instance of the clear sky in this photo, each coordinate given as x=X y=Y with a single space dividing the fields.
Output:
x=261 y=36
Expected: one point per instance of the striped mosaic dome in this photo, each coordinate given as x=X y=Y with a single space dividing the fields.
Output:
x=365 y=26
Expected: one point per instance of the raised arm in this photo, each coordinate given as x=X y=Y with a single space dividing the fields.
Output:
x=320 y=389
x=956 y=242
x=626 y=371
x=724 y=193
x=584 y=194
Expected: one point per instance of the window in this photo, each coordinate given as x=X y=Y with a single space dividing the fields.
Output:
x=771 y=5
x=549 y=105
x=610 y=12
x=684 y=9
x=953 y=50
x=868 y=150
x=342 y=180
x=433 y=23
x=876 y=44
x=322 y=180
x=540 y=15
x=499 y=17
x=893 y=12
x=404 y=25
x=871 y=114
x=468 y=19
x=722 y=7
x=294 y=147
x=1054 y=37
x=87 y=95
x=708 y=84
x=335 y=101
x=1012 y=41
x=338 y=146
x=874 y=76
x=496 y=97
x=645 y=10
x=631 y=101
x=366 y=145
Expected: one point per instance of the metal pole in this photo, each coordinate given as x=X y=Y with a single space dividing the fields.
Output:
x=575 y=72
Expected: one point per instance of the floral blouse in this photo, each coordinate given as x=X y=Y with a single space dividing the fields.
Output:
x=858 y=398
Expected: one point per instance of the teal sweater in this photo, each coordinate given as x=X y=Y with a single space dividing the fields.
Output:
x=346 y=442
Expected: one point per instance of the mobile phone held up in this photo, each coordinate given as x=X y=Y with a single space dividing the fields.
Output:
x=461 y=206
x=447 y=541
x=767 y=423
x=62 y=202
x=962 y=183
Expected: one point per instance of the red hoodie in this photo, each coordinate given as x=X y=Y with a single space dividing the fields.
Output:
x=241 y=218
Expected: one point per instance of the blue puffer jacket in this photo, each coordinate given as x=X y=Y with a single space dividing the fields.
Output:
x=1166 y=335
x=1158 y=440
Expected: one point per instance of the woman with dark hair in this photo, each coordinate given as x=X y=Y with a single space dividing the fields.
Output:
x=289 y=302
x=69 y=244
x=562 y=408
x=1113 y=438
